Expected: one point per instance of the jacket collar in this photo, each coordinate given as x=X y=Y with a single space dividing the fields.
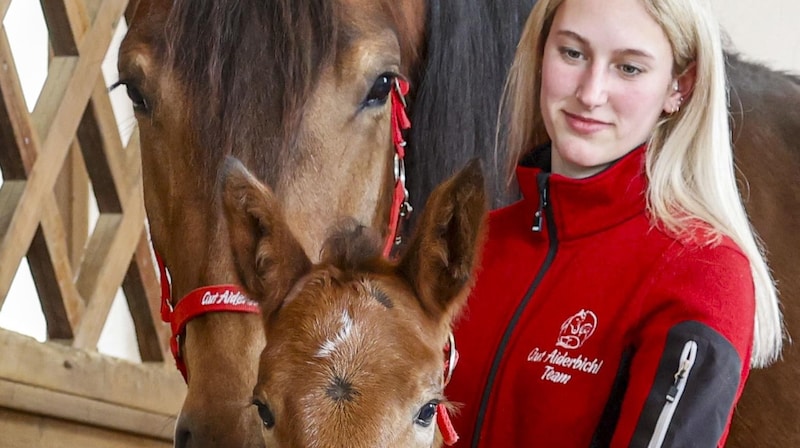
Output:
x=582 y=207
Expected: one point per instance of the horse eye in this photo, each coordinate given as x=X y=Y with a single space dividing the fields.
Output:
x=380 y=90
x=140 y=104
x=264 y=412
x=138 y=100
x=426 y=414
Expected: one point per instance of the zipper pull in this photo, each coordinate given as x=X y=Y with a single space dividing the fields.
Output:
x=537 y=221
x=679 y=375
x=687 y=359
x=539 y=215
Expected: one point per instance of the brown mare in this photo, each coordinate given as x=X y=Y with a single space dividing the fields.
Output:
x=297 y=90
x=354 y=357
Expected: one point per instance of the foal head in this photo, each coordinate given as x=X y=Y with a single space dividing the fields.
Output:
x=354 y=354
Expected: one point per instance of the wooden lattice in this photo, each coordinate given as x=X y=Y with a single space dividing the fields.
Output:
x=48 y=158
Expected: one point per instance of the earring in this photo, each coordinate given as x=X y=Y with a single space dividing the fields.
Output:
x=677 y=107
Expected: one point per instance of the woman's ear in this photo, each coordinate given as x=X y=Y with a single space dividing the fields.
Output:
x=681 y=89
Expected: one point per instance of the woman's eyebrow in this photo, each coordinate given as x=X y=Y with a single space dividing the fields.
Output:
x=625 y=52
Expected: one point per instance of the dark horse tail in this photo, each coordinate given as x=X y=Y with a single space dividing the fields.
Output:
x=455 y=99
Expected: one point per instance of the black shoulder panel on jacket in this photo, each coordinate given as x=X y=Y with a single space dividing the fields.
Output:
x=692 y=395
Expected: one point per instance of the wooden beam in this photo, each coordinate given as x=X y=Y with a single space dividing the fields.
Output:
x=153 y=388
x=67 y=21
x=144 y=302
x=60 y=118
x=72 y=196
x=23 y=430
x=4 y=4
x=17 y=134
x=101 y=144
x=11 y=192
x=51 y=265
x=103 y=269
x=73 y=408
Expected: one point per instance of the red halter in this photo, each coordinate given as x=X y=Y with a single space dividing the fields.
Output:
x=230 y=298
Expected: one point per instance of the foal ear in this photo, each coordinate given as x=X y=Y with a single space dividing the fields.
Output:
x=267 y=256
x=443 y=251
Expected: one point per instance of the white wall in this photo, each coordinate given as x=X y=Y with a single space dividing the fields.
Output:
x=765 y=31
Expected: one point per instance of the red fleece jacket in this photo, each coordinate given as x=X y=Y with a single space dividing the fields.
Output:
x=596 y=328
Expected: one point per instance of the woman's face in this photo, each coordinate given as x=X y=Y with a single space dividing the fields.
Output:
x=606 y=79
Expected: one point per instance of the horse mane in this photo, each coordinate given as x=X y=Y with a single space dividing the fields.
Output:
x=470 y=46
x=225 y=54
x=759 y=88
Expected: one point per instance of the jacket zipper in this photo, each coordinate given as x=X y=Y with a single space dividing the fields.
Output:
x=544 y=208
x=674 y=394
x=537 y=217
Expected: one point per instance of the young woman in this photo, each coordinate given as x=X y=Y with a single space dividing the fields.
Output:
x=623 y=301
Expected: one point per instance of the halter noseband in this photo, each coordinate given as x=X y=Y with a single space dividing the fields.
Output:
x=230 y=298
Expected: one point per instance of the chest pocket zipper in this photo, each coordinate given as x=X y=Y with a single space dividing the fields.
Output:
x=674 y=394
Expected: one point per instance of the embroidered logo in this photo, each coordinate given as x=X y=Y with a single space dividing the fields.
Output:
x=560 y=365
x=577 y=329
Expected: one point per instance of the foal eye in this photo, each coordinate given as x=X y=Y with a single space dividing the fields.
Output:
x=380 y=90
x=264 y=412
x=426 y=414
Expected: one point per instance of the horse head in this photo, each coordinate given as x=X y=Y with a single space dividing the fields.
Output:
x=299 y=91
x=354 y=355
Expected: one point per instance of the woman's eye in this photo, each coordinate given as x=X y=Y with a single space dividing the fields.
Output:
x=265 y=413
x=571 y=53
x=426 y=414
x=380 y=90
x=630 y=69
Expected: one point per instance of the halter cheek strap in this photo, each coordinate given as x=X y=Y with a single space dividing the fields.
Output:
x=449 y=435
x=208 y=299
x=401 y=208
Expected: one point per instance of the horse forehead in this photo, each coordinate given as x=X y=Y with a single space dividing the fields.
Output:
x=383 y=28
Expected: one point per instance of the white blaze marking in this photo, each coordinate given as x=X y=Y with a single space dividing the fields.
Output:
x=346 y=330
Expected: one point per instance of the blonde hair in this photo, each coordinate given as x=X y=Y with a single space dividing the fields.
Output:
x=689 y=160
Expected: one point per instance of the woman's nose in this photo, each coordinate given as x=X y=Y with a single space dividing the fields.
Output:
x=592 y=91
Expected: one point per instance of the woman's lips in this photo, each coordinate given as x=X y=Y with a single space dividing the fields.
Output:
x=583 y=125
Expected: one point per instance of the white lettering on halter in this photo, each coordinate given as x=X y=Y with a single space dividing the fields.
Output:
x=227 y=297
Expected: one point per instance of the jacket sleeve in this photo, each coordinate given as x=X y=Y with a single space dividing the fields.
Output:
x=689 y=355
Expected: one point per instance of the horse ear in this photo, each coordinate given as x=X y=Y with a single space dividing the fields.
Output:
x=443 y=251
x=267 y=256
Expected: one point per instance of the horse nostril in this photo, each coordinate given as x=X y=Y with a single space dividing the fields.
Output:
x=183 y=436
x=182 y=439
